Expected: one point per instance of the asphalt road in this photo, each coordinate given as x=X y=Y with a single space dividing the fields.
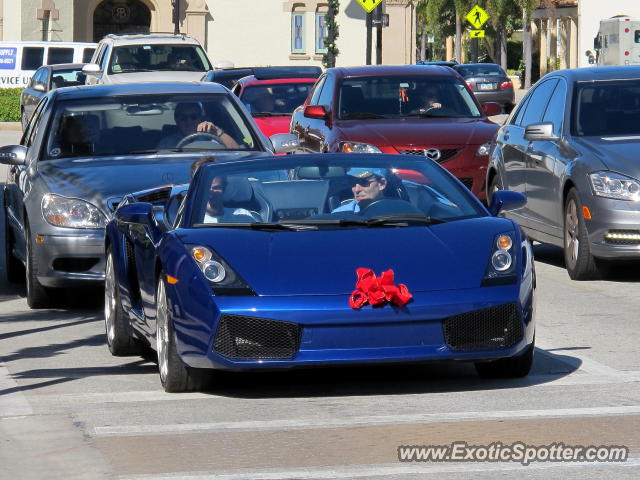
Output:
x=69 y=410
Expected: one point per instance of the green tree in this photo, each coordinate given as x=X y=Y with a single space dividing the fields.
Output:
x=333 y=31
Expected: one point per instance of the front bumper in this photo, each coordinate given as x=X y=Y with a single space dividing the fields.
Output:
x=70 y=260
x=329 y=332
x=609 y=215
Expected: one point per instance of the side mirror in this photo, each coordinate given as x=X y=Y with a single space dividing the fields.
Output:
x=138 y=212
x=491 y=108
x=91 y=69
x=506 y=200
x=540 y=131
x=160 y=217
x=284 y=142
x=13 y=154
x=315 y=111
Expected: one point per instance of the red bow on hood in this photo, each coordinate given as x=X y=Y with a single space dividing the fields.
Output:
x=378 y=290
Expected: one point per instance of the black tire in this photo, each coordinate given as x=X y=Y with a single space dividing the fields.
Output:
x=578 y=260
x=175 y=375
x=118 y=329
x=494 y=186
x=37 y=295
x=13 y=266
x=511 y=367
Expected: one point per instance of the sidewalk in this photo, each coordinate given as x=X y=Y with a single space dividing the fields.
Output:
x=10 y=126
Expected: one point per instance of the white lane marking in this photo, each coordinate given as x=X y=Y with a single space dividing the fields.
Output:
x=577 y=359
x=13 y=403
x=332 y=422
x=383 y=470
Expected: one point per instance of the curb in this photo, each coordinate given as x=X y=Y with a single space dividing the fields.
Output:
x=11 y=126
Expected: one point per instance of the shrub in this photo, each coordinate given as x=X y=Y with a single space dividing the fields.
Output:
x=10 y=104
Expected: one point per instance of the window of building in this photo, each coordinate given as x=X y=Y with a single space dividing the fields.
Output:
x=297 y=32
x=32 y=58
x=637 y=36
x=321 y=32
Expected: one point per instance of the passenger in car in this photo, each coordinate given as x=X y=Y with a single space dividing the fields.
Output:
x=429 y=99
x=190 y=119
x=216 y=212
x=369 y=186
x=79 y=134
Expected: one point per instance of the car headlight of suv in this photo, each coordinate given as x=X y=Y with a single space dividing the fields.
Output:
x=614 y=185
x=483 y=150
x=71 y=212
x=222 y=278
x=501 y=269
x=356 y=147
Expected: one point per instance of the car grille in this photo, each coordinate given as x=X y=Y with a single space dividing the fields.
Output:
x=241 y=337
x=444 y=154
x=494 y=327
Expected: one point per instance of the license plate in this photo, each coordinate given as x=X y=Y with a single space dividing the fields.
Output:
x=486 y=86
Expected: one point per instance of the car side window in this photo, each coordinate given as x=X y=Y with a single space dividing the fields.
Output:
x=316 y=91
x=538 y=102
x=326 y=95
x=516 y=116
x=32 y=128
x=37 y=77
x=556 y=108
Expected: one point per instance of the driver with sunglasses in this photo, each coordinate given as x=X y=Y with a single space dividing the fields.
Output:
x=189 y=120
x=369 y=186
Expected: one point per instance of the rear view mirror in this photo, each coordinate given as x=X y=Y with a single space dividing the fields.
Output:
x=315 y=111
x=284 y=142
x=91 y=69
x=491 y=108
x=13 y=154
x=138 y=212
x=540 y=131
x=506 y=200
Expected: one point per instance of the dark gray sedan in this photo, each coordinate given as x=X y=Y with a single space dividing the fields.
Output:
x=86 y=147
x=44 y=79
x=489 y=83
x=572 y=147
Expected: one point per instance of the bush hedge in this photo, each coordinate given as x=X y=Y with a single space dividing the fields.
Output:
x=10 y=104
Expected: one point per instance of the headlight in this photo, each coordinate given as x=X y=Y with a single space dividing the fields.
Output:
x=502 y=264
x=614 y=185
x=483 y=150
x=220 y=275
x=71 y=212
x=355 y=147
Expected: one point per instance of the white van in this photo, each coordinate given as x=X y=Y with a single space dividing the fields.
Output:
x=19 y=60
x=618 y=41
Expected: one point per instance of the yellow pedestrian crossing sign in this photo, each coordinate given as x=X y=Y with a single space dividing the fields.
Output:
x=369 y=5
x=476 y=33
x=477 y=17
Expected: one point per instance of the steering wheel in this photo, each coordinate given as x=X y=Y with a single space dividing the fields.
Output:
x=195 y=136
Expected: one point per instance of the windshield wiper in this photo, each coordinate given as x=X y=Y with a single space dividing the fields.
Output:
x=269 y=114
x=361 y=115
x=373 y=222
x=260 y=226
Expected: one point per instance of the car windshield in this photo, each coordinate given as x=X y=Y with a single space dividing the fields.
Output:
x=154 y=57
x=67 y=78
x=607 y=108
x=301 y=192
x=275 y=99
x=145 y=124
x=468 y=71
x=405 y=96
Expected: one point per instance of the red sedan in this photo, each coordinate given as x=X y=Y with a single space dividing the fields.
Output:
x=414 y=110
x=272 y=93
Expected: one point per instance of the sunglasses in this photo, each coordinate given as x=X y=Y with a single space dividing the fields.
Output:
x=187 y=116
x=365 y=182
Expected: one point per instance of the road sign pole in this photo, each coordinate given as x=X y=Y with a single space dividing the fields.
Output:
x=379 y=34
x=474 y=50
x=368 y=23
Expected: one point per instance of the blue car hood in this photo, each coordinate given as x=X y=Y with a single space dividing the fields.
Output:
x=448 y=256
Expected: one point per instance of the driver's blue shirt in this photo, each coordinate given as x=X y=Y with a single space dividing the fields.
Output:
x=351 y=206
x=170 y=141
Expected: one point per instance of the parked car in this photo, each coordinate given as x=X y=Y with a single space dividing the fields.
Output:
x=272 y=94
x=571 y=146
x=85 y=147
x=489 y=83
x=48 y=78
x=147 y=57
x=227 y=76
x=260 y=268
x=442 y=63
x=384 y=109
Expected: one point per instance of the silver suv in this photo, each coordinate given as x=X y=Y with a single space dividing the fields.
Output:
x=147 y=57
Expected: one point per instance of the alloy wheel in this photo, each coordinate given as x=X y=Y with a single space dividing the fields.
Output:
x=572 y=230
x=109 y=300
x=162 y=332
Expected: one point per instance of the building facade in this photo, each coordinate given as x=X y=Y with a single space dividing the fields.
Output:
x=244 y=32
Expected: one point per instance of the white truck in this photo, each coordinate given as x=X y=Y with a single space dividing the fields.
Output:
x=617 y=42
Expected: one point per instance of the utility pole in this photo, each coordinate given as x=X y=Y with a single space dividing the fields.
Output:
x=176 y=15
